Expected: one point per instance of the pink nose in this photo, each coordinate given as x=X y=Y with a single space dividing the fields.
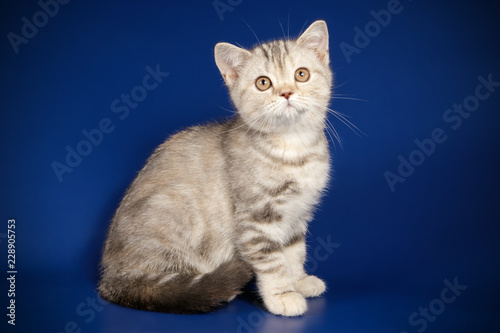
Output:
x=287 y=94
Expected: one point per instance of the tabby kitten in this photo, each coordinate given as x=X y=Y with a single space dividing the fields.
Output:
x=218 y=204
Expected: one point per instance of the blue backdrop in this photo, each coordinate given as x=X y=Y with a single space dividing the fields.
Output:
x=407 y=236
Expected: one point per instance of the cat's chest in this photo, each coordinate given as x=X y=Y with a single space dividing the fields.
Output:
x=306 y=179
x=308 y=170
x=283 y=169
x=297 y=189
x=312 y=176
x=290 y=180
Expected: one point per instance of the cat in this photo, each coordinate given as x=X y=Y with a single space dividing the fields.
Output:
x=220 y=204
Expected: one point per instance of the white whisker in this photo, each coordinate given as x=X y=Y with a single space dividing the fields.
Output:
x=248 y=25
x=330 y=126
x=253 y=123
x=288 y=28
x=229 y=110
x=346 y=122
x=348 y=98
x=330 y=130
x=340 y=85
x=283 y=30
x=301 y=30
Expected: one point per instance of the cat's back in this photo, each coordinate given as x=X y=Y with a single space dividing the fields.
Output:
x=186 y=156
x=183 y=171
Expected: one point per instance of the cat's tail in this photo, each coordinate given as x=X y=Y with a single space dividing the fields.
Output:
x=178 y=293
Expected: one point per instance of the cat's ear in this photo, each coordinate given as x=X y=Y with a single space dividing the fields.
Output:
x=316 y=39
x=230 y=59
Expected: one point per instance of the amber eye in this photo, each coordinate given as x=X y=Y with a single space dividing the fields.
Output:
x=302 y=75
x=263 y=83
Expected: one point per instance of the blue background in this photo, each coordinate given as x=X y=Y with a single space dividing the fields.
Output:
x=392 y=249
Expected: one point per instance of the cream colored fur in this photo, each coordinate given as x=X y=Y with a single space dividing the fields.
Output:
x=215 y=200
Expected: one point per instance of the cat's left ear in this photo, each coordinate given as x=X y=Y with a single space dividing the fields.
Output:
x=230 y=59
x=316 y=38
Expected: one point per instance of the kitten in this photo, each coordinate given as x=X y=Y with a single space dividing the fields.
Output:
x=216 y=205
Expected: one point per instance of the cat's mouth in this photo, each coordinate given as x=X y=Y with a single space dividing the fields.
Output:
x=291 y=107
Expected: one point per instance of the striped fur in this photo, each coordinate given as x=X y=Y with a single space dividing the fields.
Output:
x=218 y=204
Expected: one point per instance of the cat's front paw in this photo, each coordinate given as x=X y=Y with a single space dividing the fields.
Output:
x=310 y=286
x=288 y=304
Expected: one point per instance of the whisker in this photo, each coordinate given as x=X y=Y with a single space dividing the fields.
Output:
x=267 y=119
x=283 y=30
x=229 y=110
x=233 y=129
x=244 y=124
x=343 y=120
x=301 y=30
x=334 y=132
x=330 y=130
x=253 y=123
x=288 y=28
x=349 y=98
x=335 y=87
x=340 y=117
x=248 y=25
x=349 y=124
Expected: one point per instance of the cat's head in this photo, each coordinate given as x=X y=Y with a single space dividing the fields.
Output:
x=280 y=85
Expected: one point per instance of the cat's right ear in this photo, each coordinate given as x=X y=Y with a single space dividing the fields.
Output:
x=230 y=59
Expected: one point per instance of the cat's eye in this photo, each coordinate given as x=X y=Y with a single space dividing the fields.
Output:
x=302 y=75
x=263 y=83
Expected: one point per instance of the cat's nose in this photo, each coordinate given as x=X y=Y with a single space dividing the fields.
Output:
x=286 y=94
